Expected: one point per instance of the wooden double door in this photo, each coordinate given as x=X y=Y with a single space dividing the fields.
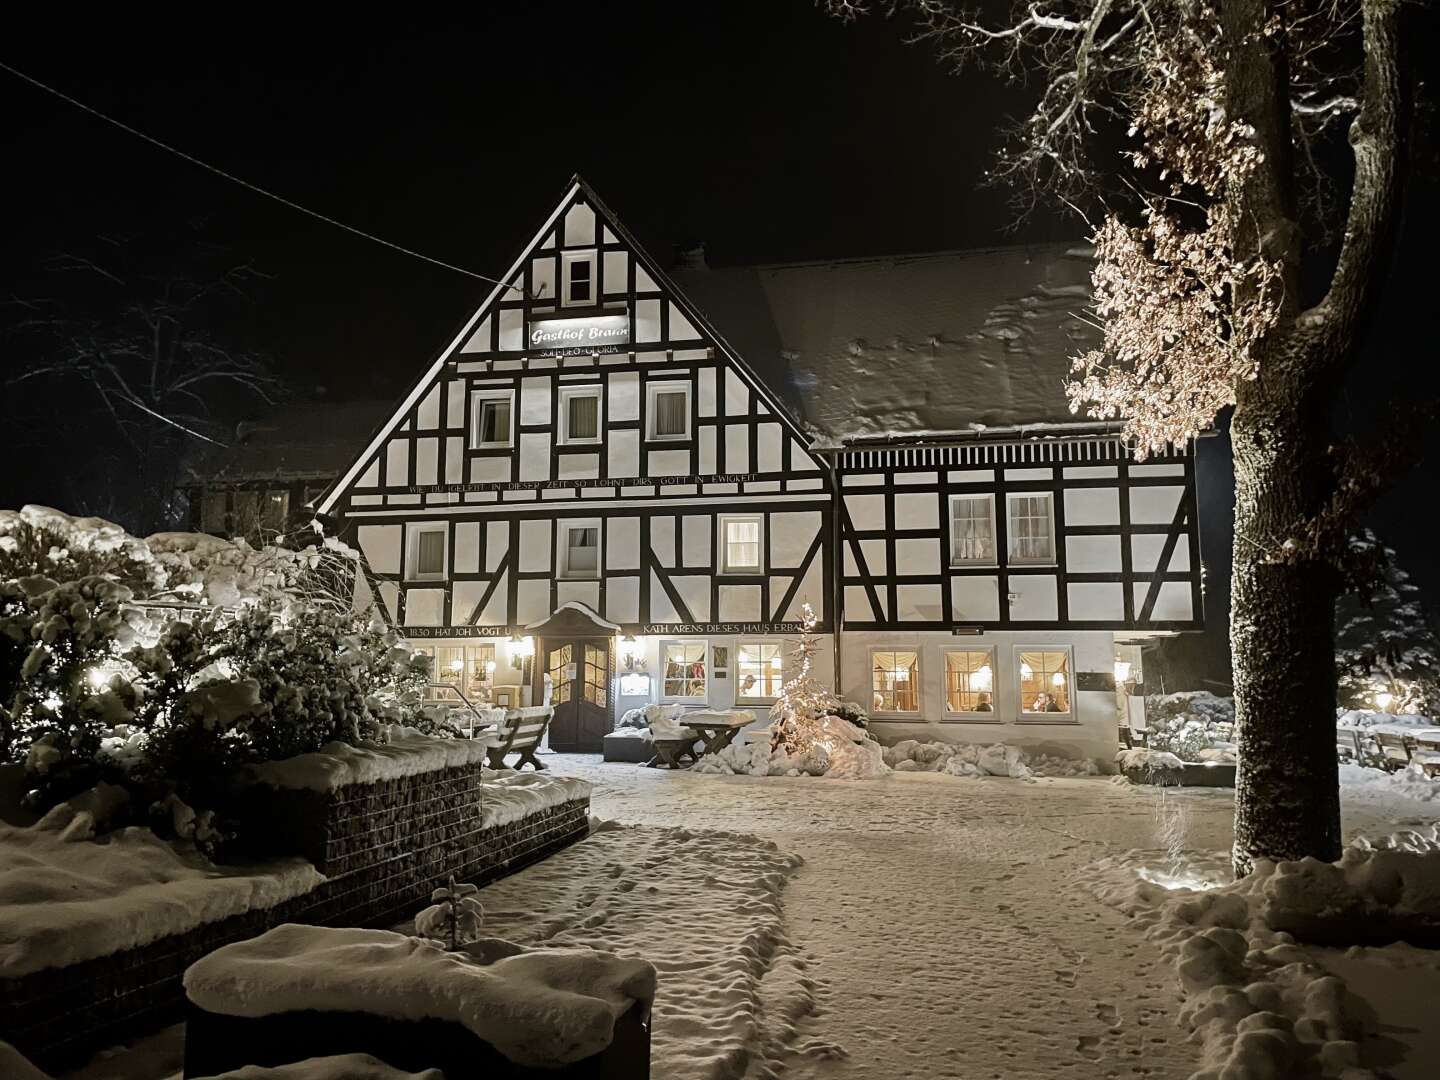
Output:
x=579 y=670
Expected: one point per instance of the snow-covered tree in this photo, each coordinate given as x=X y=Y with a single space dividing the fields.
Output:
x=1229 y=106
x=1387 y=655
x=802 y=701
x=455 y=917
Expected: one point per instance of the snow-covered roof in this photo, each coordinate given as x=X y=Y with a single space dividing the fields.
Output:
x=913 y=344
x=297 y=440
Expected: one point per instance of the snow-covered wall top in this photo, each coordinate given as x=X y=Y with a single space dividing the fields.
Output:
x=544 y=1008
x=63 y=901
x=337 y=764
x=913 y=344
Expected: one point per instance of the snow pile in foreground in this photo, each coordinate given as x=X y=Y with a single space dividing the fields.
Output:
x=1259 y=1001
x=705 y=907
x=339 y=1067
x=910 y=755
x=63 y=901
x=544 y=1008
x=1365 y=718
x=842 y=752
x=337 y=764
x=16 y=1066
x=508 y=795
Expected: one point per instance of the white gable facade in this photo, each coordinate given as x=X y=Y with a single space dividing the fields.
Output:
x=590 y=489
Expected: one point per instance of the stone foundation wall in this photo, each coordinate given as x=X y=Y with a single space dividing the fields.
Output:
x=384 y=847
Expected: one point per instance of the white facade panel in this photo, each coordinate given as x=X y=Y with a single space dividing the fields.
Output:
x=791 y=534
x=623 y=453
x=737 y=449
x=427 y=461
x=622 y=543
x=535 y=456
x=975 y=599
x=740 y=603
x=466 y=557
x=1092 y=554
x=490 y=470
x=916 y=511
x=918 y=602
x=1091 y=600
x=380 y=544
x=917 y=556
x=1154 y=505
x=397 y=463
x=695 y=532
x=669 y=462
x=1146 y=549
x=1092 y=506
x=866 y=511
x=623 y=401
x=464 y=597
x=532 y=600
x=535 y=537
x=1033 y=598
x=622 y=599
x=694 y=590
x=424 y=607
x=577 y=467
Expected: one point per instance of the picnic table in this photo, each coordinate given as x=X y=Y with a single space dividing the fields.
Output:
x=1398 y=745
x=717 y=729
x=674 y=739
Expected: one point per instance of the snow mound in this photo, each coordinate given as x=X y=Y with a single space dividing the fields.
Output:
x=1260 y=1003
x=1366 y=784
x=337 y=764
x=16 y=1066
x=341 y=1067
x=843 y=751
x=545 y=1008
x=965 y=759
x=706 y=907
x=64 y=901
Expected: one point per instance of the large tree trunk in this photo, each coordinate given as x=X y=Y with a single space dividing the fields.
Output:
x=1287 y=802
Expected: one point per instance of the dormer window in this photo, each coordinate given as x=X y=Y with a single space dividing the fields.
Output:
x=577 y=279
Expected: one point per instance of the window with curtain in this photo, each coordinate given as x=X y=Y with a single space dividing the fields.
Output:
x=741 y=551
x=670 y=413
x=582 y=417
x=429 y=554
x=969 y=681
x=491 y=420
x=972 y=530
x=683 y=673
x=895 y=680
x=582 y=550
x=1032 y=529
x=760 y=670
x=1044 y=681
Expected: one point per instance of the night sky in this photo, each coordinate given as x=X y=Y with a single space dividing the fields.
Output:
x=758 y=126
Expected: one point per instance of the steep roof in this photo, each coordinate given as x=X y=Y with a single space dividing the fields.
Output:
x=297 y=440
x=908 y=345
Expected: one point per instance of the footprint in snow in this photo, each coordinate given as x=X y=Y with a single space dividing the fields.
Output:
x=1089 y=1045
x=1065 y=978
x=1107 y=1013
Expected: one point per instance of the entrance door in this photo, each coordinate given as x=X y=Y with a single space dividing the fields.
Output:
x=580 y=692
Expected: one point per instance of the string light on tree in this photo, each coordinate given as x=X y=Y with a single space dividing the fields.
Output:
x=802 y=702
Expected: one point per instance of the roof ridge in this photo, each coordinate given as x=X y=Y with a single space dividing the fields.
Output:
x=910 y=256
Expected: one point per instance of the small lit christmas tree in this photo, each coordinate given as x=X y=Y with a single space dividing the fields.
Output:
x=454 y=919
x=802 y=702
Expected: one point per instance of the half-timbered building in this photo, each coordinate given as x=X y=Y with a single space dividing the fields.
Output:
x=625 y=485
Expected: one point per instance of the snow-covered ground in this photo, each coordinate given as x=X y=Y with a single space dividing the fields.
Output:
x=938 y=927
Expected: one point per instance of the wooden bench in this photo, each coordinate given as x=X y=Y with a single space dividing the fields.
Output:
x=1394 y=749
x=1348 y=745
x=520 y=733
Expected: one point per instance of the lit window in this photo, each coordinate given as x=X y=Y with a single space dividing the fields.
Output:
x=760 y=671
x=969 y=681
x=1032 y=529
x=597 y=676
x=578 y=282
x=1044 y=681
x=582 y=549
x=972 y=530
x=669 y=411
x=275 y=510
x=580 y=416
x=684 y=670
x=740 y=545
x=895 y=681
x=427 y=553
x=491 y=413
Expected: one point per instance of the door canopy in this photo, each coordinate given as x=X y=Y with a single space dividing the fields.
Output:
x=573 y=619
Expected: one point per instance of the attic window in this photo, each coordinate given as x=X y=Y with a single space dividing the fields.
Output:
x=578 y=279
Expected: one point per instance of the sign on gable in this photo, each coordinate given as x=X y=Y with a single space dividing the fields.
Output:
x=597 y=333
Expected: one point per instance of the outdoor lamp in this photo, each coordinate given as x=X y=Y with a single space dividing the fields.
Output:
x=1122 y=671
x=1384 y=700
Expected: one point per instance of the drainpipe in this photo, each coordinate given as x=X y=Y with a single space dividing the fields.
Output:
x=837 y=587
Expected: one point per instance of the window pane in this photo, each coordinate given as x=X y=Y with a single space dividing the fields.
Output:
x=583 y=419
x=670 y=413
x=430 y=553
x=684 y=669
x=742 y=545
x=212 y=512
x=760 y=670
x=969 y=681
x=895 y=681
x=583 y=554
x=1030 y=539
x=972 y=535
x=277 y=508
x=494 y=421
x=247 y=512
x=579 y=280
x=1044 y=681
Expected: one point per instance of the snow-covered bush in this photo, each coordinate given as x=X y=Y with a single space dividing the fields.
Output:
x=963 y=759
x=1188 y=723
x=455 y=917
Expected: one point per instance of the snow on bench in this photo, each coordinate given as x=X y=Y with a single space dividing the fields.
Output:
x=546 y=1008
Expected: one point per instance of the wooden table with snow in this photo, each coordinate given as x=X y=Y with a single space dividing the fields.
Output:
x=717 y=729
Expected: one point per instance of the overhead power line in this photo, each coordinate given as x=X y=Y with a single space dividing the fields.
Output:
x=241 y=181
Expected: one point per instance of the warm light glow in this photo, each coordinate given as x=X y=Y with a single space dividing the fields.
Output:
x=982 y=679
x=1026 y=671
x=1186 y=879
x=522 y=646
x=490 y=667
x=99 y=678
x=1122 y=671
x=457 y=665
x=1058 y=678
x=775 y=662
x=1384 y=700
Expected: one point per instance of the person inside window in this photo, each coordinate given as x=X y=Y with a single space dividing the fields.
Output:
x=982 y=703
x=1043 y=703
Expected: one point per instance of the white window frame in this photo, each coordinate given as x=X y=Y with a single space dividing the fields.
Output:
x=709 y=670
x=652 y=391
x=897 y=714
x=989 y=499
x=569 y=393
x=412 y=551
x=563 y=549
x=725 y=565
x=477 y=397
x=568 y=259
x=991 y=717
x=1011 y=558
x=756 y=699
x=1070 y=716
